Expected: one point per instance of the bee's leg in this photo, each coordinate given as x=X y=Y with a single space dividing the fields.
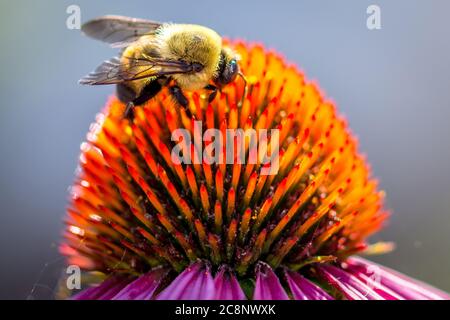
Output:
x=129 y=114
x=178 y=95
x=126 y=95
x=213 y=93
x=180 y=98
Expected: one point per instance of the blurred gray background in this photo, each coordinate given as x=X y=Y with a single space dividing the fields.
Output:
x=392 y=85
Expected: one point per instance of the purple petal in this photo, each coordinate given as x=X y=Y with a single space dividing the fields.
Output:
x=227 y=286
x=194 y=283
x=373 y=282
x=104 y=291
x=347 y=284
x=402 y=285
x=143 y=287
x=303 y=289
x=268 y=286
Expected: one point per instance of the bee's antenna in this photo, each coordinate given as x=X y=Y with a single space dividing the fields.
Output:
x=245 y=88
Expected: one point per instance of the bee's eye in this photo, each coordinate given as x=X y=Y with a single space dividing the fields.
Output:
x=233 y=67
x=197 y=67
x=229 y=72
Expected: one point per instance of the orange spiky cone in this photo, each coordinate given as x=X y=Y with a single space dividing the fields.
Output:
x=133 y=209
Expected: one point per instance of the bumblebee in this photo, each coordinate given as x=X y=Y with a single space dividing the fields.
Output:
x=154 y=54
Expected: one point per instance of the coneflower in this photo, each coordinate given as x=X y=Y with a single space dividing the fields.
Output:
x=156 y=229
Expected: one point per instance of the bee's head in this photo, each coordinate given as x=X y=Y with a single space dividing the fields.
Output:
x=228 y=67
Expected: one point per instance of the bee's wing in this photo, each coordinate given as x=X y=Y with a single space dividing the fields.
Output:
x=118 y=70
x=117 y=30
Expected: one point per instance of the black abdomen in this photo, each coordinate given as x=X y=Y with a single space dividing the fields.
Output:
x=126 y=94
